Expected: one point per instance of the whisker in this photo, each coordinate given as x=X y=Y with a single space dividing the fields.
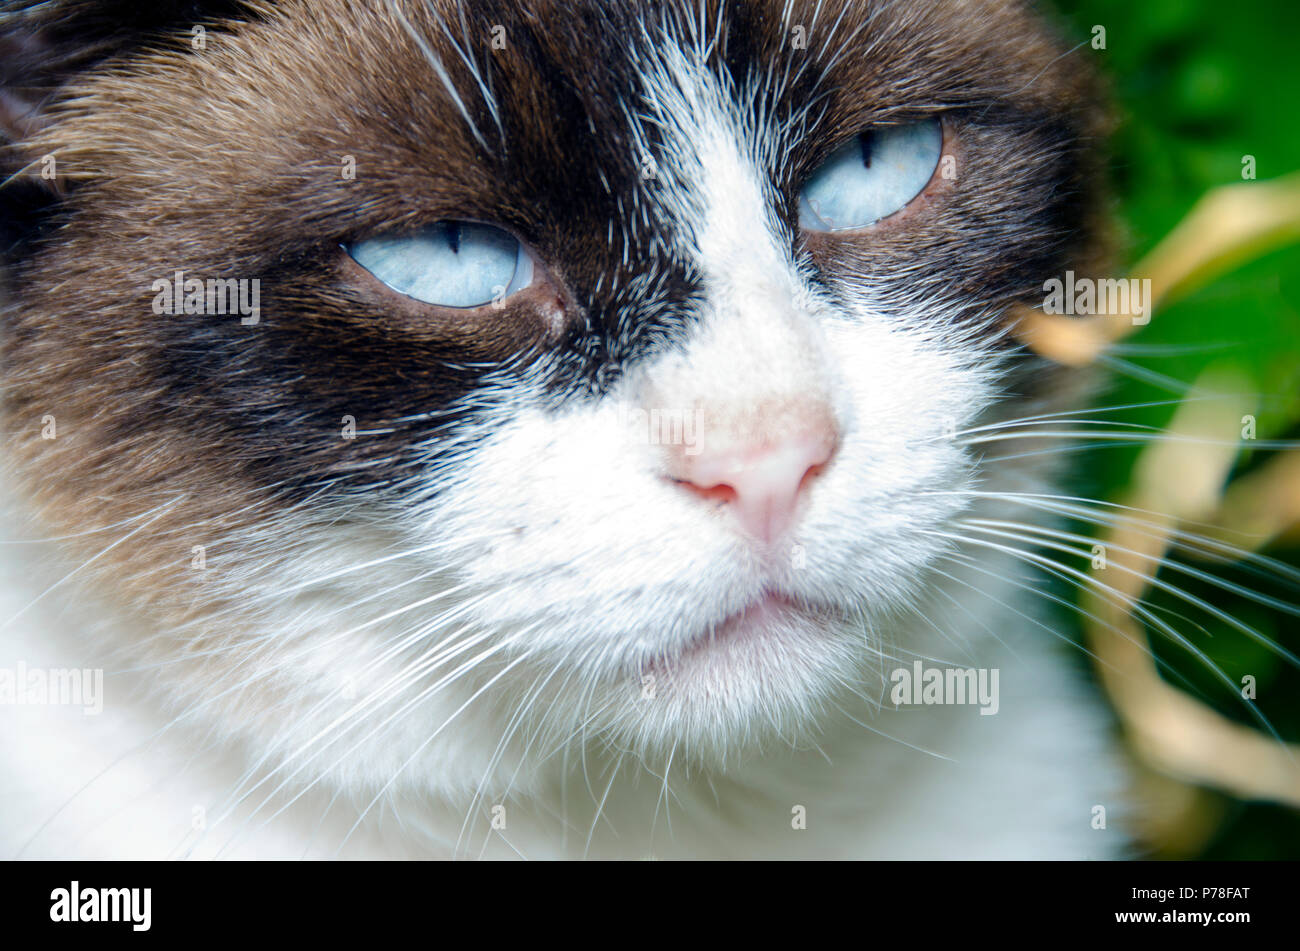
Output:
x=1133 y=605
x=160 y=510
x=1079 y=508
x=420 y=749
x=1121 y=436
x=1028 y=532
x=441 y=72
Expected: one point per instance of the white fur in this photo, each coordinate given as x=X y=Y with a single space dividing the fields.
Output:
x=558 y=544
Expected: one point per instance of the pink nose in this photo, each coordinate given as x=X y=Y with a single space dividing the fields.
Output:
x=761 y=482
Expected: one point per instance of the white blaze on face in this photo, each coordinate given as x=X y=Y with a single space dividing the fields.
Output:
x=754 y=375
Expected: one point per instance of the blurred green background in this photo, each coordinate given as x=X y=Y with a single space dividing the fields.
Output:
x=1198 y=86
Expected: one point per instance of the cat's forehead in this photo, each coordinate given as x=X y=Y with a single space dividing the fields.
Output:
x=542 y=113
x=590 y=128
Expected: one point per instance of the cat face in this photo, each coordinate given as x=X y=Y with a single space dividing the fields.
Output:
x=594 y=388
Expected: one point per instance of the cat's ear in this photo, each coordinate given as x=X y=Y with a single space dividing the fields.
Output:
x=46 y=46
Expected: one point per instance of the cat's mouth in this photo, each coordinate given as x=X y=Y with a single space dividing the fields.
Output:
x=754 y=635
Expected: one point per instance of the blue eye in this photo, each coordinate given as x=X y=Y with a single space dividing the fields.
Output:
x=875 y=175
x=451 y=264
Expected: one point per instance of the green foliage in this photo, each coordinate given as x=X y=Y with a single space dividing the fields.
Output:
x=1200 y=86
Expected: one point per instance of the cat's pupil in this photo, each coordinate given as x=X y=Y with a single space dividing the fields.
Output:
x=453 y=237
x=867 y=141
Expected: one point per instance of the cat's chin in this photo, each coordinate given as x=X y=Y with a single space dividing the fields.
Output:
x=763 y=673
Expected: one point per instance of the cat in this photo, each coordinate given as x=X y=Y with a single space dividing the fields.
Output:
x=525 y=428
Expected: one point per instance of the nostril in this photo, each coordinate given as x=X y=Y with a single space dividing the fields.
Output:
x=763 y=485
x=721 y=492
x=813 y=473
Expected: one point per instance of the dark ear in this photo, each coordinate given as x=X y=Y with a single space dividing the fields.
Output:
x=43 y=47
